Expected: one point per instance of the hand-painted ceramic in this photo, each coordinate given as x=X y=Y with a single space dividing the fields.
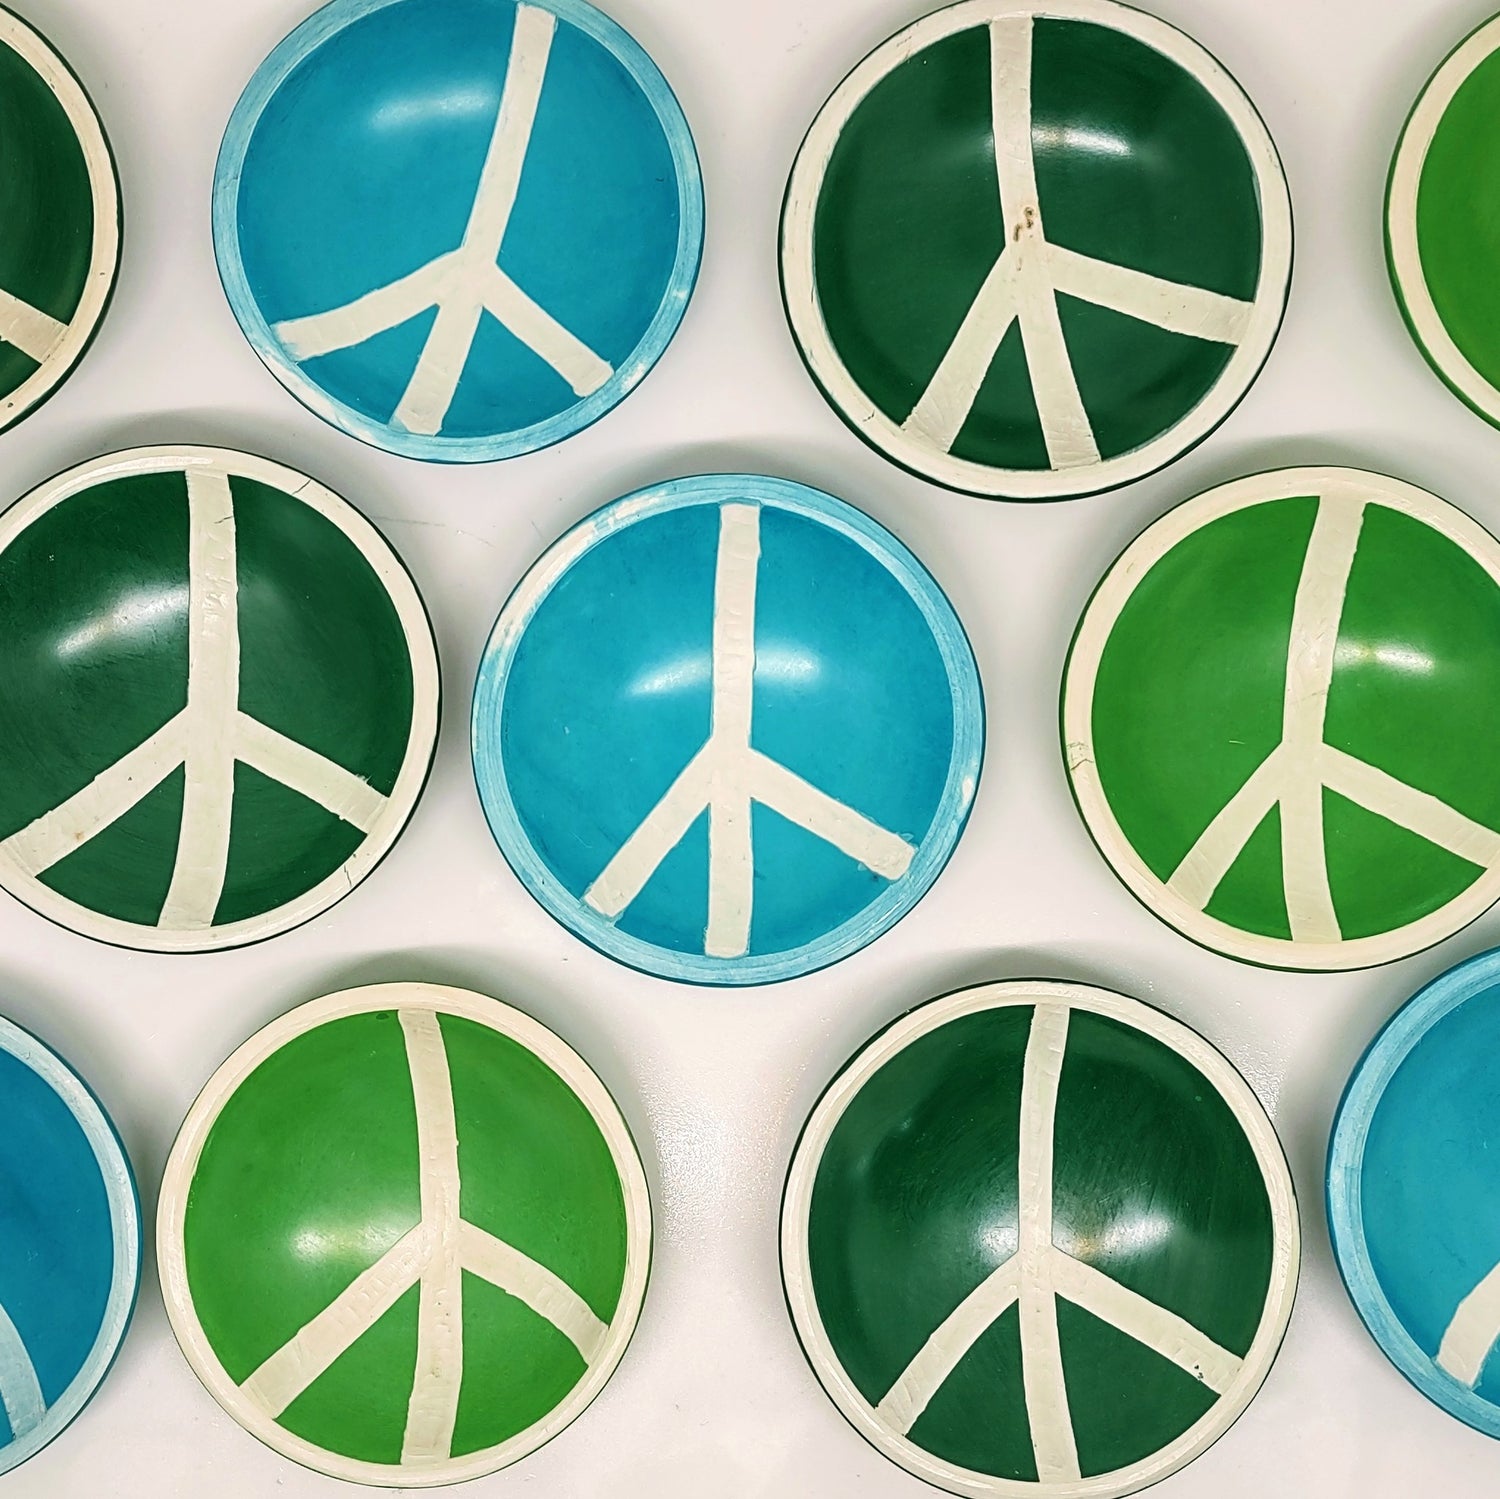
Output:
x=404 y=1235
x=1038 y=1238
x=59 y=220
x=70 y=1245
x=728 y=730
x=218 y=698
x=458 y=229
x=1035 y=251
x=1414 y=1191
x=1270 y=712
x=1442 y=237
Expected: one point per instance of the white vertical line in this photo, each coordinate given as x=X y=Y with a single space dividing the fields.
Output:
x=213 y=698
x=731 y=865
x=20 y=1390
x=433 y=1407
x=1052 y=1440
x=1471 y=1334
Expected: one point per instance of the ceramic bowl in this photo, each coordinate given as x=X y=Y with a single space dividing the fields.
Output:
x=1270 y=712
x=70 y=1250
x=60 y=212
x=458 y=229
x=404 y=1235
x=1038 y=1238
x=728 y=730
x=1414 y=1191
x=1440 y=229
x=218 y=698
x=1036 y=250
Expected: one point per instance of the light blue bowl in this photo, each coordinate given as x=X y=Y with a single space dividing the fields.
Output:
x=1414 y=1191
x=70 y=1245
x=458 y=229
x=743 y=644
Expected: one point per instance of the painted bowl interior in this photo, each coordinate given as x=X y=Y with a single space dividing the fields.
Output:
x=1050 y=1178
x=70 y=1250
x=1035 y=251
x=404 y=1235
x=728 y=730
x=459 y=229
x=1413 y=1205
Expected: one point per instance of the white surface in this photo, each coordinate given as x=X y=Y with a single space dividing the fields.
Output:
x=714 y=1399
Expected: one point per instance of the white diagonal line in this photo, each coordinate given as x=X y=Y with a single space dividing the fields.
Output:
x=583 y=369
x=1173 y=305
x=1471 y=1334
x=941 y=1354
x=32 y=331
x=433 y=1406
x=312 y=1350
x=1052 y=1440
x=213 y=694
x=547 y=1294
x=364 y=317
x=1204 y=865
x=111 y=794
x=307 y=772
x=1153 y=1326
x=20 y=1390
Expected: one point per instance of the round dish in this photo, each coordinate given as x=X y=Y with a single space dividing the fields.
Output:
x=728 y=730
x=1038 y=1238
x=70 y=1253
x=458 y=229
x=973 y=346
x=1413 y=1205
x=1269 y=713
x=60 y=211
x=1440 y=232
x=404 y=1235
x=218 y=699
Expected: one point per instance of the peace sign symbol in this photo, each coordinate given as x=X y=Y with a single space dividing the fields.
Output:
x=471 y=1284
x=221 y=698
x=1038 y=1244
x=1309 y=681
x=1137 y=221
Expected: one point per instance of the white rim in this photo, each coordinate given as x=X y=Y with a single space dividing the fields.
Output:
x=105 y=255
x=386 y=827
x=1081 y=676
x=1401 y=221
x=923 y=457
x=1268 y=1154
x=182 y=1165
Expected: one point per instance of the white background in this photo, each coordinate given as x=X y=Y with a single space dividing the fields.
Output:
x=713 y=1397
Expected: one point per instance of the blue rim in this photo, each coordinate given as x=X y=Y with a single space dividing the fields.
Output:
x=1346 y=1152
x=124 y=1201
x=948 y=823
x=269 y=77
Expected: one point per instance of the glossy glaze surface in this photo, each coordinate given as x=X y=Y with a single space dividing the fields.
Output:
x=1091 y=318
x=404 y=1235
x=218 y=698
x=1269 y=714
x=70 y=1245
x=1413 y=1204
x=1039 y=1238
x=728 y=730
x=459 y=229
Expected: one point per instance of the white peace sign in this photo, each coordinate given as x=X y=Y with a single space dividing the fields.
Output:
x=433 y=1255
x=210 y=735
x=1030 y=270
x=1293 y=776
x=1041 y=1270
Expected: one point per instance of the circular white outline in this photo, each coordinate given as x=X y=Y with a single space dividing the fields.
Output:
x=822 y=357
x=426 y=688
x=1080 y=676
x=1427 y=327
x=182 y=1164
x=1231 y=1087
x=125 y=1222
x=104 y=257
